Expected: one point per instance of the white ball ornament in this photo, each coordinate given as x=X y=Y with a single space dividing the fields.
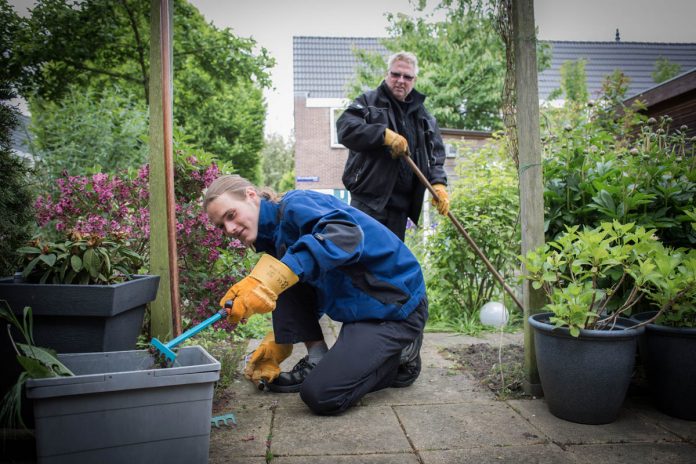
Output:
x=494 y=313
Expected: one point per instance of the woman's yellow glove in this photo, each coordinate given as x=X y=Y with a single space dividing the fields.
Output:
x=264 y=363
x=257 y=293
x=443 y=204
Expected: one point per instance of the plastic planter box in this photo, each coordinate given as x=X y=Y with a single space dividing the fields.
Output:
x=76 y=318
x=119 y=409
x=83 y=318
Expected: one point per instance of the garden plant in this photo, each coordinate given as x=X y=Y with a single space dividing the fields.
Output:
x=115 y=206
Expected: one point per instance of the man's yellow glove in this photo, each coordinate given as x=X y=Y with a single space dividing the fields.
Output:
x=264 y=363
x=396 y=143
x=257 y=293
x=444 y=203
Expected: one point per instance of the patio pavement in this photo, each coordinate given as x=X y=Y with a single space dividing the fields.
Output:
x=443 y=418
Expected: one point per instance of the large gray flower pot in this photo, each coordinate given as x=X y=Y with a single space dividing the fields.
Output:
x=670 y=363
x=585 y=378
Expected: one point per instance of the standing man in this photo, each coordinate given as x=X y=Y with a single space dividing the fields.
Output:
x=379 y=128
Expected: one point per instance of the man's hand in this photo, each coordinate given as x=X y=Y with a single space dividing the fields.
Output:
x=443 y=204
x=257 y=293
x=264 y=363
x=396 y=143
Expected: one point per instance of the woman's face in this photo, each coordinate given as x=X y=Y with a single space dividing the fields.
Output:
x=237 y=218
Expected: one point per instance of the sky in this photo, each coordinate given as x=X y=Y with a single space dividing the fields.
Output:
x=273 y=23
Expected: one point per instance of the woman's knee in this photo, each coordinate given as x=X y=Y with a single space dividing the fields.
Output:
x=320 y=401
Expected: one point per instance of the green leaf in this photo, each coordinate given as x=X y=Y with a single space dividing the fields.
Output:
x=30 y=267
x=76 y=263
x=46 y=358
x=92 y=262
x=35 y=368
x=48 y=259
x=26 y=250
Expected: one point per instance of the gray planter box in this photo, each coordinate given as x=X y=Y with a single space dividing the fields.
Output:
x=119 y=409
x=84 y=318
x=77 y=318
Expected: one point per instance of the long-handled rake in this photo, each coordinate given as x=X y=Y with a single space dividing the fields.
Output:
x=464 y=233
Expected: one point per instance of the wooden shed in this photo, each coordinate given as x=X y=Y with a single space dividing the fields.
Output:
x=675 y=97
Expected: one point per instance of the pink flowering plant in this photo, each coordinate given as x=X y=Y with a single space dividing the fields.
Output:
x=116 y=205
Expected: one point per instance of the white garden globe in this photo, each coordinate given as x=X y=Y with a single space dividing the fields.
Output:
x=494 y=313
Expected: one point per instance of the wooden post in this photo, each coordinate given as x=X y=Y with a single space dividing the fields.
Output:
x=530 y=169
x=165 y=319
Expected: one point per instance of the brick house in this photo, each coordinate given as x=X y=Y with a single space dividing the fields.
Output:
x=324 y=66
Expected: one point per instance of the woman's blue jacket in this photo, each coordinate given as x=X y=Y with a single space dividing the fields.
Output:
x=360 y=269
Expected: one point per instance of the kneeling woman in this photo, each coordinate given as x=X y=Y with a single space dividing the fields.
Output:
x=323 y=257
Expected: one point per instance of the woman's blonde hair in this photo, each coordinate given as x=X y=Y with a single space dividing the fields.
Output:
x=236 y=186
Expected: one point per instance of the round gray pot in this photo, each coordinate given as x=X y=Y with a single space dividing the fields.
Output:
x=667 y=354
x=585 y=378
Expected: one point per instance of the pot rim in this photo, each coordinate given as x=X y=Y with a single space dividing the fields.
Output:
x=642 y=316
x=625 y=326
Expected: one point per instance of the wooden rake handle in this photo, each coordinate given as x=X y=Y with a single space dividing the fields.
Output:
x=464 y=233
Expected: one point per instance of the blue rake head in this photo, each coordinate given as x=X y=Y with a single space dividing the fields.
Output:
x=163 y=350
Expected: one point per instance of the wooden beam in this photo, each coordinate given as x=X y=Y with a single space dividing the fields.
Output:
x=165 y=319
x=530 y=168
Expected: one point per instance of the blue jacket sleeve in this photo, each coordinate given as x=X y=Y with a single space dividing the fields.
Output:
x=328 y=237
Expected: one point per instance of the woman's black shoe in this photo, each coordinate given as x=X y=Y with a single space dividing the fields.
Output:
x=410 y=366
x=290 y=382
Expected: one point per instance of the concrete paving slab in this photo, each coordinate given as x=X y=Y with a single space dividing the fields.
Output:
x=248 y=438
x=629 y=427
x=248 y=397
x=532 y=454
x=443 y=418
x=672 y=453
x=238 y=460
x=684 y=429
x=466 y=425
x=298 y=432
x=401 y=458
x=435 y=385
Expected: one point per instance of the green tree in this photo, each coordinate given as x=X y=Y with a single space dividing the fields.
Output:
x=15 y=195
x=277 y=159
x=84 y=133
x=574 y=81
x=99 y=44
x=664 y=70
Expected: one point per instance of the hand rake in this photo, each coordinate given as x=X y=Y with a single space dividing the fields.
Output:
x=165 y=351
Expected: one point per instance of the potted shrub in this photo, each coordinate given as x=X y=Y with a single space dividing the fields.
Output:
x=84 y=292
x=670 y=333
x=585 y=347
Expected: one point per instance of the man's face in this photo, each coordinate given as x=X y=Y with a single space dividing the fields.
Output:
x=400 y=79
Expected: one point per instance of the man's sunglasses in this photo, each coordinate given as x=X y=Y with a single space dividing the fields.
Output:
x=396 y=75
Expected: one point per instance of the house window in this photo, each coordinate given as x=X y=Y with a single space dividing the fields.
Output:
x=450 y=150
x=335 y=114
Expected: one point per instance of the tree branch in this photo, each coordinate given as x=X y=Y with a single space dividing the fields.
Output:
x=140 y=48
x=105 y=72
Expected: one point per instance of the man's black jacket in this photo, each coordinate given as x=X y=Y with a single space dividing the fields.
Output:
x=370 y=172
